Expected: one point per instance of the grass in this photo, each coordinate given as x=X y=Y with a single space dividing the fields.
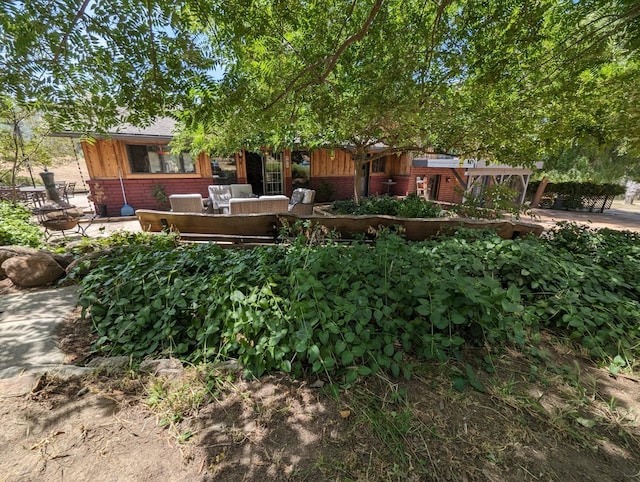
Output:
x=177 y=399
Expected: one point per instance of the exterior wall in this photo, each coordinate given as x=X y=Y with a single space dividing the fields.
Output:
x=334 y=167
x=140 y=191
x=107 y=160
x=342 y=187
x=450 y=191
x=331 y=163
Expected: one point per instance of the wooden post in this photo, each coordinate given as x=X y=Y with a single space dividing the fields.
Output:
x=539 y=192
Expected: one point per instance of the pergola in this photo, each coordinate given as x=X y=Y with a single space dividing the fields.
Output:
x=483 y=174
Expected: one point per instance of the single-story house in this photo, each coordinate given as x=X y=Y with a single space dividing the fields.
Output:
x=139 y=161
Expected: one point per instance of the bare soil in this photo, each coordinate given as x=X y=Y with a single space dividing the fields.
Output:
x=556 y=418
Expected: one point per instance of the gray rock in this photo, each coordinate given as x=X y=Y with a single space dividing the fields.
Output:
x=110 y=364
x=162 y=367
x=37 y=269
x=63 y=260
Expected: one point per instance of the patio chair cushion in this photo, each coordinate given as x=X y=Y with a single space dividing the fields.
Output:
x=302 y=201
x=219 y=196
x=186 y=203
x=241 y=191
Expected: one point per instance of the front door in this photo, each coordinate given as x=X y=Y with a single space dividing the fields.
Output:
x=255 y=172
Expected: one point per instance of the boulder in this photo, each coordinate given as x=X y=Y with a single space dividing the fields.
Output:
x=7 y=252
x=86 y=262
x=31 y=270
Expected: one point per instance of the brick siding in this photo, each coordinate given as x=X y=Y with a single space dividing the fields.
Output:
x=140 y=191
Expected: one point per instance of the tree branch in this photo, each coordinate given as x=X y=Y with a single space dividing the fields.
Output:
x=330 y=61
x=79 y=14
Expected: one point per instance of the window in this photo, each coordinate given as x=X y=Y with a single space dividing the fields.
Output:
x=300 y=168
x=378 y=165
x=157 y=158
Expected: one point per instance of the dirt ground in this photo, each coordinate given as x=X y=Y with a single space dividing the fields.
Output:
x=556 y=418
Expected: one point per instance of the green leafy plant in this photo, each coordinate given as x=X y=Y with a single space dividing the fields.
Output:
x=160 y=193
x=493 y=202
x=16 y=227
x=412 y=206
x=345 y=311
x=325 y=192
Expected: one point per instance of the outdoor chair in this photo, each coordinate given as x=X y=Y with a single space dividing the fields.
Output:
x=241 y=191
x=420 y=187
x=302 y=201
x=219 y=196
x=70 y=190
x=186 y=203
x=61 y=189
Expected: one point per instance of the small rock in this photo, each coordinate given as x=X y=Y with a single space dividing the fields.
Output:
x=110 y=364
x=82 y=391
x=317 y=384
x=162 y=367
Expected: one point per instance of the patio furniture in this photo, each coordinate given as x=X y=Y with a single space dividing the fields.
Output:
x=263 y=204
x=420 y=187
x=70 y=190
x=241 y=190
x=219 y=196
x=186 y=203
x=302 y=201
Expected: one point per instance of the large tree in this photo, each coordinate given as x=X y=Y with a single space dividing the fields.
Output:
x=497 y=79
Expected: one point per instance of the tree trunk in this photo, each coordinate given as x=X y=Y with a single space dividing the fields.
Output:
x=359 y=160
x=539 y=192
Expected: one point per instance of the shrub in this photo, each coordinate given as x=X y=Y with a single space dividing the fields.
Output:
x=16 y=227
x=412 y=206
x=348 y=310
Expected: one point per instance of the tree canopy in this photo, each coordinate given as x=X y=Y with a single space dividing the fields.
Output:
x=509 y=80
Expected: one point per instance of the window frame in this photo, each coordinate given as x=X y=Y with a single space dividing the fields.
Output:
x=161 y=149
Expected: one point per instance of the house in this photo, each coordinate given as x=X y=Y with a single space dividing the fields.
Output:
x=331 y=173
x=141 y=160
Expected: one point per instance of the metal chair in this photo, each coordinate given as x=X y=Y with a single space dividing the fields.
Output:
x=70 y=190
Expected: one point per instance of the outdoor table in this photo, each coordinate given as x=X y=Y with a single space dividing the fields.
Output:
x=389 y=183
x=36 y=195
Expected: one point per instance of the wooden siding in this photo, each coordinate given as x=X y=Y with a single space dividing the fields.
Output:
x=104 y=157
x=323 y=165
x=241 y=165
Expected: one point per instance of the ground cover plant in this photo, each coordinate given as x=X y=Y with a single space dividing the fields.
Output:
x=411 y=206
x=16 y=227
x=341 y=311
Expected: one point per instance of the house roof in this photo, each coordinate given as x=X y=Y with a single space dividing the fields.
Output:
x=161 y=129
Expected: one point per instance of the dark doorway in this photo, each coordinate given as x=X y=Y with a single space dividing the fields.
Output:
x=254 y=172
x=433 y=188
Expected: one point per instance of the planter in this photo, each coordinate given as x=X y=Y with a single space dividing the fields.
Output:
x=60 y=224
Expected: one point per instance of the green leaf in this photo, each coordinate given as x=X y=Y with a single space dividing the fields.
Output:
x=459 y=384
x=389 y=349
x=347 y=357
x=586 y=422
